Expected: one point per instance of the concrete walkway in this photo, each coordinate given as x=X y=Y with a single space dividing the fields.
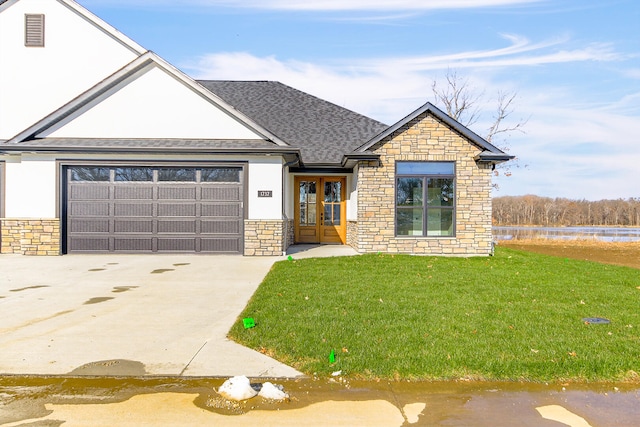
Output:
x=132 y=314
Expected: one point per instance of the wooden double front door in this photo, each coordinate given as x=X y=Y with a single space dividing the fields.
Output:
x=320 y=210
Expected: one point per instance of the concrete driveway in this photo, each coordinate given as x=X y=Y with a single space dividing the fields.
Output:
x=129 y=315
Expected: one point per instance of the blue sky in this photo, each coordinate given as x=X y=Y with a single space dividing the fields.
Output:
x=574 y=65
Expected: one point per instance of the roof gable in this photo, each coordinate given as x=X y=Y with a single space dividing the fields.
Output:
x=490 y=153
x=323 y=131
x=147 y=99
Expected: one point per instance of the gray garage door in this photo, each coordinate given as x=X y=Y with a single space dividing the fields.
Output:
x=154 y=209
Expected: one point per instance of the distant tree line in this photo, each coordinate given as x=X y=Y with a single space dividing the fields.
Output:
x=545 y=211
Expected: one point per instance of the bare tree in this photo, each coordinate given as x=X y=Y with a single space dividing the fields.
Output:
x=458 y=99
x=504 y=109
x=535 y=210
x=460 y=102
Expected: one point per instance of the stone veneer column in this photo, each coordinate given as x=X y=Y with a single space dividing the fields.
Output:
x=30 y=236
x=424 y=139
x=352 y=234
x=267 y=237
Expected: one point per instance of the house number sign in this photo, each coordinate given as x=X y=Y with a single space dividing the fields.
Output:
x=265 y=193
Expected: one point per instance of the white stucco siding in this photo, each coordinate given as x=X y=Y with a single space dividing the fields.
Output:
x=30 y=187
x=31 y=180
x=38 y=80
x=289 y=197
x=352 y=196
x=265 y=175
x=153 y=104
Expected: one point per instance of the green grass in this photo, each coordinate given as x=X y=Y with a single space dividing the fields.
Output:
x=514 y=316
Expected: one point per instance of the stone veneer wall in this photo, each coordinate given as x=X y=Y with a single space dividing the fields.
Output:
x=291 y=233
x=267 y=237
x=424 y=139
x=352 y=234
x=30 y=236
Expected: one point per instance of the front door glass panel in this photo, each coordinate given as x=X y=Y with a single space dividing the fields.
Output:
x=332 y=200
x=308 y=205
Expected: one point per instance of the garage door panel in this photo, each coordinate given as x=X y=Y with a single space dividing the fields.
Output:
x=133 y=226
x=176 y=209
x=233 y=210
x=135 y=191
x=176 y=226
x=219 y=245
x=170 y=193
x=91 y=244
x=133 y=209
x=133 y=244
x=220 y=227
x=154 y=209
x=176 y=245
x=89 y=192
x=90 y=226
x=89 y=209
x=222 y=194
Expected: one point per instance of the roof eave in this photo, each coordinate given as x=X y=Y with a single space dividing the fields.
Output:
x=352 y=159
x=493 y=158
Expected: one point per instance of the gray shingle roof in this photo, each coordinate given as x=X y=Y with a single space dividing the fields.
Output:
x=323 y=131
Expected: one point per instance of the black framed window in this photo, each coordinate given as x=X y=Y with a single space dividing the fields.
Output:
x=221 y=174
x=425 y=199
x=134 y=174
x=177 y=174
x=89 y=173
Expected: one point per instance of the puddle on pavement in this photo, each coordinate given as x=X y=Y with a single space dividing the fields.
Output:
x=397 y=403
x=114 y=368
x=162 y=270
x=119 y=289
x=97 y=300
x=28 y=287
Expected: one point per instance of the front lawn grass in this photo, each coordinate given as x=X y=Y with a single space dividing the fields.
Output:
x=514 y=316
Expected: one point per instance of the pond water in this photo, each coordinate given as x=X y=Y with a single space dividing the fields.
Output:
x=607 y=234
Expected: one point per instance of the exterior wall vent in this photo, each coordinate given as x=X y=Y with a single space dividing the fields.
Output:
x=34 y=30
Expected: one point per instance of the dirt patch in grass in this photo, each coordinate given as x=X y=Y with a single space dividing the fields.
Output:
x=619 y=253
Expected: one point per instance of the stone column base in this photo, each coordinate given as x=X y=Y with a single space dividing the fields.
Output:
x=30 y=236
x=267 y=237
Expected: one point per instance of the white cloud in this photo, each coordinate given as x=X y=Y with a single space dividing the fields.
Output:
x=521 y=52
